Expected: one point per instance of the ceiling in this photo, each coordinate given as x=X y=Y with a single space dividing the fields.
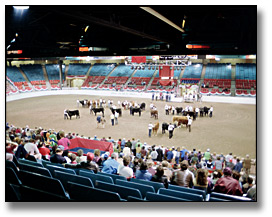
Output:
x=58 y=31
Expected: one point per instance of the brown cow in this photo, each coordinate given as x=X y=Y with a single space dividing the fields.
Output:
x=181 y=120
x=154 y=113
x=155 y=128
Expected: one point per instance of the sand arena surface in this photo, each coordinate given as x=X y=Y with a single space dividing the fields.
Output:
x=231 y=129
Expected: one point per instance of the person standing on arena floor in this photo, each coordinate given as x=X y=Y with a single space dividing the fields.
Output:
x=116 y=115
x=66 y=114
x=196 y=111
x=166 y=109
x=150 y=127
x=153 y=95
x=190 y=124
x=77 y=102
x=112 y=119
x=98 y=119
x=211 y=111
x=171 y=130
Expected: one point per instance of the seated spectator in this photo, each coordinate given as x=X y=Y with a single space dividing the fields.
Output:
x=237 y=176
x=160 y=177
x=111 y=165
x=216 y=175
x=227 y=184
x=72 y=158
x=21 y=152
x=126 y=150
x=90 y=164
x=194 y=159
x=142 y=173
x=209 y=164
x=247 y=185
x=251 y=193
x=150 y=165
x=167 y=172
x=97 y=157
x=125 y=170
x=238 y=166
x=218 y=165
x=45 y=152
x=32 y=149
x=65 y=142
x=184 y=177
x=136 y=164
x=201 y=179
x=58 y=158
x=10 y=146
x=80 y=157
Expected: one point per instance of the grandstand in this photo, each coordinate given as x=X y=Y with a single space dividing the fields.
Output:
x=52 y=71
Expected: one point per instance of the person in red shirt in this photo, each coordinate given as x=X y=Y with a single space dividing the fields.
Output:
x=45 y=152
x=10 y=146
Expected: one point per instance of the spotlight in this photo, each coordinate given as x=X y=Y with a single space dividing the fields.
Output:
x=21 y=7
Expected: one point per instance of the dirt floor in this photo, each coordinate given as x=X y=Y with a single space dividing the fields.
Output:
x=231 y=129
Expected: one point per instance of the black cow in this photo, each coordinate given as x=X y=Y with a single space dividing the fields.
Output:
x=137 y=110
x=204 y=110
x=142 y=106
x=164 y=127
x=179 y=110
x=73 y=113
x=118 y=110
x=82 y=102
x=96 y=110
x=191 y=114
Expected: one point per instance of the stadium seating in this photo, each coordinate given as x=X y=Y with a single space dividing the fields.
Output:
x=187 y=190
x=192 y=73
x=14 y=74
x=35 y=169
x=11 y=176
x=162 y=198
x=245 y=71
x=30 y=162
x=113 y=176
x=78 y=69
x=34 y=72
x=218 y=71
x=180 y=194
x=102 y=69
x=155 y=185
x=95 y=177
x=122 y=71
x=53 y=72
x=228 y=197
x=52 y=170
x=12 y=165
x=12 y=193
x=46 y=162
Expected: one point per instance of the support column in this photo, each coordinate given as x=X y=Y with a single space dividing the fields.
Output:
x=60 y=73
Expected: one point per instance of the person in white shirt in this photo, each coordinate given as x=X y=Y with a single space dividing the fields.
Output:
x=171 y=130
x=173 y=110
x=150 y=127
x=119 y=103
x=197 y=110
x=166 y=109
x=116 y=115
x=211 y=111
x=151 y=106
x=190 y=108
x=109 y=103
x=190 y=123
x=32 y=149
x=66 y=114
x=112 y=119
x=125 y=170
x=77 y=103
x=154 y=154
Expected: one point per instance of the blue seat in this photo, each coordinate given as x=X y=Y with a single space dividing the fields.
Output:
x=183 y=195
x=46 y=162
x=11 y=177
x=29 y=194
x=142 y=188
x=135 y=199
x=66 y=177
x=12 y=165
x=214 y=199
x=95 y=177
x=34 y=169
x=80 y=192
x=229 y=197
x=30 y=162
x=12 y=193
x=52 y=169
x=156 y=185
x=188 y=190
x=41 y=182
x=162 y=198
x=113 y=176
x=124 y=192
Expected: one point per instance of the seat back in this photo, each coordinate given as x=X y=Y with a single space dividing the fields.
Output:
x=156 y=185
x=123 y=191
x=41 y=182
x=80 y=192
x=52 y=169
x=11 y=177
x=34 y=169
x=12 y=165
x=214 y=199
x=46 y=162
x=95 y=177
x=183 y=195
x=229 y=197
x=12 y=193
x=142 y=188
x=113 y=176
x=162 y=198
x=135 y=199
x=188 y=190
x=66 y=177
x=33 y=163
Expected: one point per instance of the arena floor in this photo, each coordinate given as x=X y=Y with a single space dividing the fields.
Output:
x=231 y=129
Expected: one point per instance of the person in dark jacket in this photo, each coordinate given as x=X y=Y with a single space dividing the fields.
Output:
x=57 y=157
x=160 y=154
x=160 y=177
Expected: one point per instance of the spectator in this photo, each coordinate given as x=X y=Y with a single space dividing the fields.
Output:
x=142 y=173
x=150 y=165
x=45 y=152
x=143 y=152
x=72 y=157
x=123 y=142
x=238 y=166
x=80 y=156
x=10 y=146
x=111 y=165
x=64 y=141
x=184 y=177
x=247 y=164
x=210 y=164
x=90 y=164
x=125 y=170
x=57 y=157
x=237 y=176
x=133 y=146
x=112 y=119
x=216 y=175
x=201 y=179
x=32 y=149
x=194 y=159
x=207 y=155
x=227 y=184
x=126 y=150
x=177 y=158
x=247 y=185
x=169 y=155
x=160 y=177
x=182 y=152
x=154 y=154
x=228 y=158
x=167 y=172
x=218 y=165
x=138 y=151
x=21 y=152
x=97 y=158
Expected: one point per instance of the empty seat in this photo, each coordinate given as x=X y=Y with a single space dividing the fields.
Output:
x=34 y=169
x=12 y=193
x=189 y=190
x=66 y=177
x=123 y=191
x=11 y=177
x=80 y=192
x=30 y=162
x=52 y=170
x=162 y=198
x=46 y=162
x=229 y=197
x=95 y=177
x=41 y=182
x=141 y=187
x=156 y=185
x=135 y=199
x=214 y=199
x=12 y=165
x=113 y=176
x=183 y=195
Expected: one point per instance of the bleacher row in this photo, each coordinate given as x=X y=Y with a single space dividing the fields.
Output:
x=110 y=76
x=47 y=181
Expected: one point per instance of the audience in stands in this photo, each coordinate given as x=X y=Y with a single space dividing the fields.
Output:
x=111 y=165
x=57 y=157
x=184 y=177
x=142 y=172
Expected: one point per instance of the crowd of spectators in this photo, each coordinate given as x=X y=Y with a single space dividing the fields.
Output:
x=131 y=158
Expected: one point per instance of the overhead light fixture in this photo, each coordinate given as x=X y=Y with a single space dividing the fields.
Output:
x=86 y=28
x=21 y=7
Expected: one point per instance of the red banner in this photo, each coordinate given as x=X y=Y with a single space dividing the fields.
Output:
x=91 y=144
x=138 y=59
x=166 y=82
x=166 y=71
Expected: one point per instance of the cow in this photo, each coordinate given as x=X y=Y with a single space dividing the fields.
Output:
x=179 y=110
x=204 y=110
x=154 y=113
x=118 y=110
x=155 y=128
x=164 y=127
x=73 y=113
x=191 y=114
x=84 y=103
x=181 y=120
x=142 y=106
x=96 y=110
x=137 y=110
